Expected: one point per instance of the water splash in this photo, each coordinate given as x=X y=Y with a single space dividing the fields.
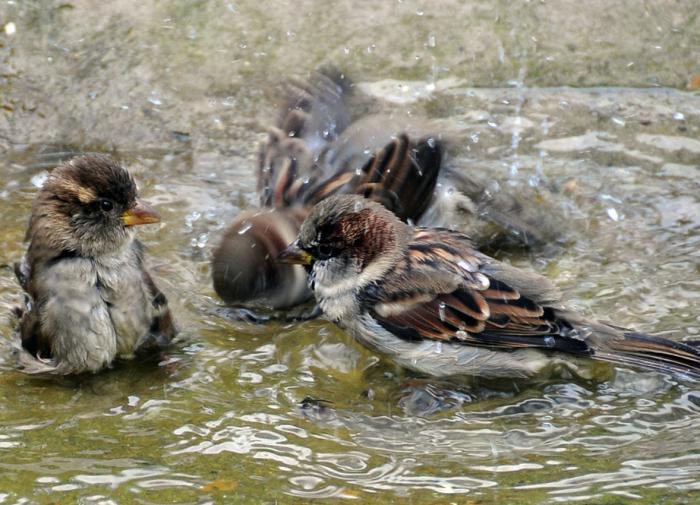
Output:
x=245 y=227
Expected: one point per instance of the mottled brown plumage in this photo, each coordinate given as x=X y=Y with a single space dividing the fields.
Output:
x=90 y=298
x=431 y=302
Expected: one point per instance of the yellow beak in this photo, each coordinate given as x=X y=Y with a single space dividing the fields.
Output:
x=294 y=255
x=141 y=213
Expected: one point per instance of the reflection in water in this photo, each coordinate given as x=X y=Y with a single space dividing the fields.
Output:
x=178 y=93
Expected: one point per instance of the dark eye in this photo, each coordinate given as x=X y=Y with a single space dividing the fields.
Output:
x=325 y=251
x=106 y=205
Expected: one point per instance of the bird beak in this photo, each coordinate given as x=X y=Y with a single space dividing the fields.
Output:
x=141 y=213
x=294 y=255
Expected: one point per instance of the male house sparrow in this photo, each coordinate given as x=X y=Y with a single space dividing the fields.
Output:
x=90 y=298
x=427 y=300
x=312 y=153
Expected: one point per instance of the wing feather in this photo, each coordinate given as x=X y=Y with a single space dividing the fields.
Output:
x=474 y=308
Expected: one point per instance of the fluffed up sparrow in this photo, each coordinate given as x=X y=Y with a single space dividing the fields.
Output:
x=430 y=302
x=90 y=298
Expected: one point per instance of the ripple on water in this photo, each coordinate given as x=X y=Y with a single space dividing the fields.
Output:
x=300 y=410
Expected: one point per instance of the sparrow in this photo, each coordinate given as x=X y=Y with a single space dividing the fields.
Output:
x=89 y=297
x=315 y=151
x=429 y=301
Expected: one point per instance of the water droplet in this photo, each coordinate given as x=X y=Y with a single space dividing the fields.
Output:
x=10 y=29
x=420 y=12
x=515 y=141
x=38 y=180
x=155 y=98
x=493 y=187
x=461 y=335
x=441 y=311
x=191 y=218
x=678 y=116
x=466 y=266
x=545 y=126
x=549 y=341
x=612 y=214
x=200 y=241
x=245 y=226
x=618 y=121
x=610 y=198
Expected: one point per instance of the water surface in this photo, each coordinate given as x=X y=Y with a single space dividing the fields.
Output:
x=182 y=93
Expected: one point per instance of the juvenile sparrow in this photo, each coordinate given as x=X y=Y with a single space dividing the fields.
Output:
x=311 y=154
x=89 y=297
x=426 y=299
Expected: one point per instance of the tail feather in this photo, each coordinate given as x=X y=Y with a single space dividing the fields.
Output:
x=654 y=353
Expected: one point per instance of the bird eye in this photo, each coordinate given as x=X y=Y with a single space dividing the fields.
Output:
x=325 y=251
x=106 y=205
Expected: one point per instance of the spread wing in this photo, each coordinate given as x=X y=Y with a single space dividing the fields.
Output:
x=401 y=176
x=311 y=153
x=312 y=115
x=450 y=292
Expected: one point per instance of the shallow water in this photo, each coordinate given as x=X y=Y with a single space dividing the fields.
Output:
x=288 y=412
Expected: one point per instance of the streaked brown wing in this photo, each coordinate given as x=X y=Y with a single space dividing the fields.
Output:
x=163 y=328
x=401 y=176
x=301 y=162
x=474 y=308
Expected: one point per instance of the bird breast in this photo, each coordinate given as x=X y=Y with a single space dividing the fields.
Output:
x=121 y=286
